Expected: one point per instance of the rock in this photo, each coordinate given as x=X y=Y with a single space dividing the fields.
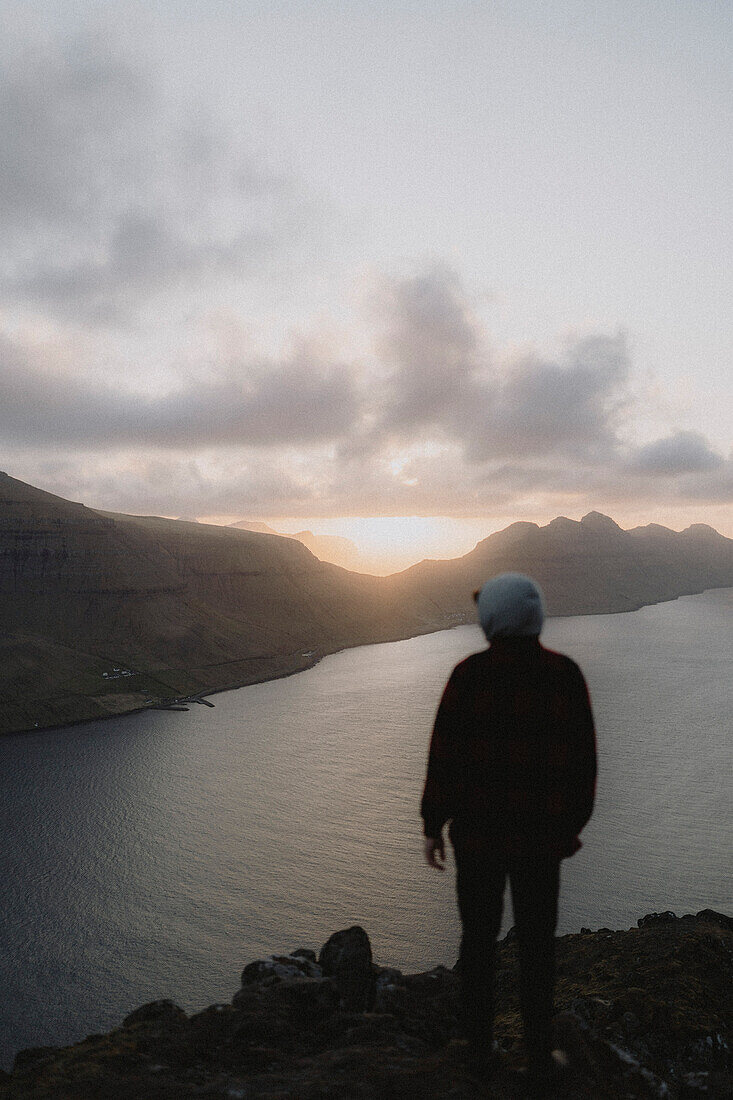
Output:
x=34 y=1058
x=274 y=968
x=591 y=1010
x=304 y=953
x=294 y=1003
x=696 y=1082
x=386 y=976
x=158 y=1012
x=304 y=997
x=644 y=1013
x=347 y=957
x=657 y=918
x=716 y=918
x=387 y=983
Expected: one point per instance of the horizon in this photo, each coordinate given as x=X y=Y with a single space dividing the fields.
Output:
x=403 y=275
x=392 y=543
x=389 y=544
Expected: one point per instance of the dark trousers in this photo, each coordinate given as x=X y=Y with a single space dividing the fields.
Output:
x=480 y=886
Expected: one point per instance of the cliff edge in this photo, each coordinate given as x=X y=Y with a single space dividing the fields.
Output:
x=646 y=1012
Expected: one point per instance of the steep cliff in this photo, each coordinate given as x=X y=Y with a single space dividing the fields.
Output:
x=102 y=612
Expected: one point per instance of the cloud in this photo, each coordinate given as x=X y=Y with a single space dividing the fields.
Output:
x=684 y=452
x=112 y=193
x=714 y=485
x=299 y=400
x=143 y=255
x=681 y=466
x=430 y=343
x=545 y=407
x=65 y=117
x=443 y=377
x=172 y=485
x=435 y=422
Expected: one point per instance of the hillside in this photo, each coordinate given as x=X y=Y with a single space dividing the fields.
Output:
x=640 y=1013
x=103 y=613
x=585 y=567
x=333 y=548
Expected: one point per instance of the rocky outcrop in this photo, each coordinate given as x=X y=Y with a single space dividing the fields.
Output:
x=347 y=958
x=641 y=1013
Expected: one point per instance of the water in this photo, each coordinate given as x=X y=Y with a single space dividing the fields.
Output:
x=154 y=855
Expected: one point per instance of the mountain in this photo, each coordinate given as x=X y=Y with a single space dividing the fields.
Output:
x=254 y=525
x=333 y=548
x=585 y=567
x=644 y=1012
x=103 y=613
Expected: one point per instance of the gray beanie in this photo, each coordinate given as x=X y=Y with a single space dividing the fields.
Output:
x=510 y=606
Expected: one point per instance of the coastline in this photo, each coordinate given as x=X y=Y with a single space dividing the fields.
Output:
x=292 y=668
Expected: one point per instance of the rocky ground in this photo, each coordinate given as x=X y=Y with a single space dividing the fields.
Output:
x=646 y=1012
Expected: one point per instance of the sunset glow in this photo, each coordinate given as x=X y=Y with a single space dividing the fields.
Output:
x=456 y=261
x=390 y=543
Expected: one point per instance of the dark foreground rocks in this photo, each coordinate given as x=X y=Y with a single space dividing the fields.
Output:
x=646 y=1012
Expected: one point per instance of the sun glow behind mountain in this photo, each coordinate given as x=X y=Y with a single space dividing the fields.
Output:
x=389 y=543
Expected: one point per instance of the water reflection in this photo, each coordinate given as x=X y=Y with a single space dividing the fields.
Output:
x=154 y=855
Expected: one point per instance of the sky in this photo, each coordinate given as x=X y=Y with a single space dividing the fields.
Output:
x=337 y=264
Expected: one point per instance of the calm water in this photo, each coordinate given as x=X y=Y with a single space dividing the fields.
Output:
x=152 y=856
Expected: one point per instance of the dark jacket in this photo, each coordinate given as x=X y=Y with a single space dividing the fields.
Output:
x=512 y=758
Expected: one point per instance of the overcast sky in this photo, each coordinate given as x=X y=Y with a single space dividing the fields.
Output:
x=311 y=261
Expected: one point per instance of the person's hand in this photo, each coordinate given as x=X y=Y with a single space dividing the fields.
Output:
x=435 y=852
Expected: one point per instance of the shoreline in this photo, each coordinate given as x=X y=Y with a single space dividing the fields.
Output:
x=286 y=672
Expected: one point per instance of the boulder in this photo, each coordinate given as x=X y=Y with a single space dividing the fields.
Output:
x=304 y=953
x=347 y=958
x=279 y=968
x=156 y=1012
x=387 y=984
x=657 y=918
x=716 y=918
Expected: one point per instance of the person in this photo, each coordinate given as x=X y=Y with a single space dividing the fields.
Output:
x=512 y=767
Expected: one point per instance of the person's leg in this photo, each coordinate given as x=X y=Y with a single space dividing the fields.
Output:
x=535 y=887
x=480 y=889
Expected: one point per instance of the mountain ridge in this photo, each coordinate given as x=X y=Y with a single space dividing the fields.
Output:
x=331 y=548
x=185 y=608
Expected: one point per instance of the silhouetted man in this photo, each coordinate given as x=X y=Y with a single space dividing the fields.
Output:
x=512 y=766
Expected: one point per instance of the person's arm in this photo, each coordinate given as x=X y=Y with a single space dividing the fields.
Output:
x=436 y=806
x=583 y=754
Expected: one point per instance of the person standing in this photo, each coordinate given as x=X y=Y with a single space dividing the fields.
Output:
x=512 y=767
